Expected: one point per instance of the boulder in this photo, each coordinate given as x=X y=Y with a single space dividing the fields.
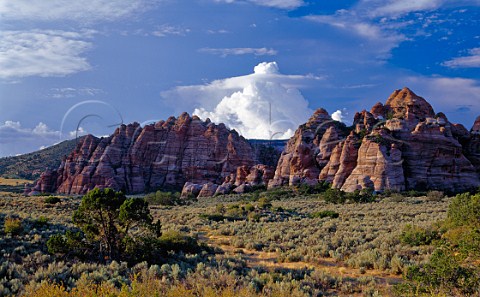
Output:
x=191 y=190
x=208 y=190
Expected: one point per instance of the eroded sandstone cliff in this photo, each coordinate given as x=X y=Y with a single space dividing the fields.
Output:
x=136 y=159
x=399 y=145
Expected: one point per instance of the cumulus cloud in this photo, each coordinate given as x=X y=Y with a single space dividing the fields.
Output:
x=245 y=103
x=43 y=53
x=471 y=61
x=338 y=116
x=283 y=4
x=239 y=51
x=78 y=10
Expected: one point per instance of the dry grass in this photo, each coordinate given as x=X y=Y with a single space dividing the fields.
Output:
x=14 y=181
x=269 y=260
x=326 y=254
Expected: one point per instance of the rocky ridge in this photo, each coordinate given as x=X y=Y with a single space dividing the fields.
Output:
x=163 y=155
x=399 y=145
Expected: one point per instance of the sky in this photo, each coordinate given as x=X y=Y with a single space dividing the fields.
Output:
x=260 y=66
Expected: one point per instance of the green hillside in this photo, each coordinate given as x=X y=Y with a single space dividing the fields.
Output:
x=31 y=165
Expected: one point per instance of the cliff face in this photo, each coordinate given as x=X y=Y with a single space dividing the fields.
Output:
x=308 y=151
x=399 y=145
x=136 y=159
x=472 y=147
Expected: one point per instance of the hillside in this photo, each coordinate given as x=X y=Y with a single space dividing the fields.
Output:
x=31 y=165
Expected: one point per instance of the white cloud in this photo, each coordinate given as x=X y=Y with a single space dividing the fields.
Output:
x=79 y=132
x=43 y=53
x=243 y=102
x=283 y=4
x=338 y=116
x=59 y=93
x=66 y=10
x=397 y=8
x=379 y=37
x=471 y=61
x=166 y=30
x=400 y=7
x=239 y=51
x=220 y=31
x=16 y=139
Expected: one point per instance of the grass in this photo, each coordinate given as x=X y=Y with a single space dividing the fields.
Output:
x=298 y=244
x=14 y=181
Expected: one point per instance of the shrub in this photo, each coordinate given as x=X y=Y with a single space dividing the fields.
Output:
x=363 y=196
x=305 y=189
x=278 y=193
x=52 y=200
x=220 y=208
x=435 y=196
x=41 y=221
x=112 y=223
x=249 y=207
x=57 y=244
x=163 y=198
x=213 y=217
x=324 y=214
x=334 y=196
x=464 y=210
x=463 y=224
x=234 y=211
x=71 y=242
x=416 y=236
x=13 y=226
x=445 y=274
x=252 y=216
x=414 y=193
x=175 y=241
x=397 y=197
x=264 y=202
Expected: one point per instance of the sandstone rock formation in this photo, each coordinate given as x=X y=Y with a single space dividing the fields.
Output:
x=472 y=147
x=243 y=180
x=137 y=159
x=399 y=145
x=308 y=151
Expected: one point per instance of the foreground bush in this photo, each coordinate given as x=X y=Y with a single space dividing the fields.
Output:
x=110 y=225
x=450 y=270
x=444 y=274
x=13 y=226
x=154 y=287
x=416 y=236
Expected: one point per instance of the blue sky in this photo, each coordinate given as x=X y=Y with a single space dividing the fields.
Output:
x=69 y=68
